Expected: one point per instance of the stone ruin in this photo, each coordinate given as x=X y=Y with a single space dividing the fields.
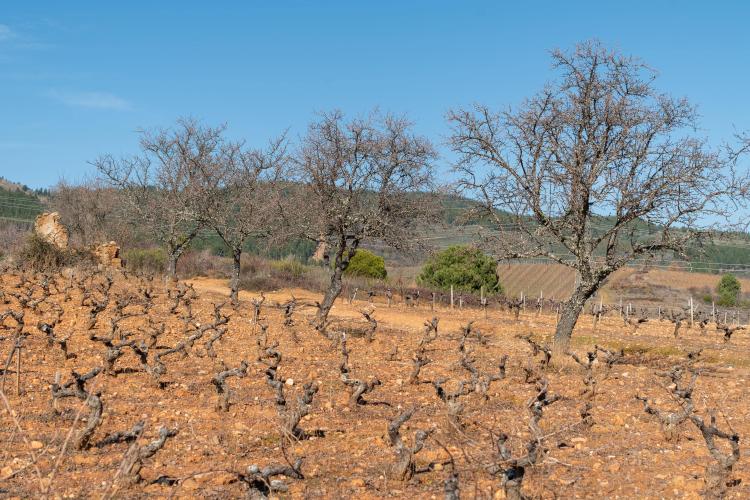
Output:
x=108 y=254
x=320 y=250
x=49 y=227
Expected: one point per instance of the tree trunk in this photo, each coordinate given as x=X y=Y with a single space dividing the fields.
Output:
x=344 y=253
x=172 y=256
x=234 y=281
x=332 y=293
x=175 y=247
x=569 y=315
x=172 y=265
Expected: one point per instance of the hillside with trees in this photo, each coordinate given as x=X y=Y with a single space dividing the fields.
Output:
x=18 y=203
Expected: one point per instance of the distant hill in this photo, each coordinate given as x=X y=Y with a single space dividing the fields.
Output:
x=19 y=203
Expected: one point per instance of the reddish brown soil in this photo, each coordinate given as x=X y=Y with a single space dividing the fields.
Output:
x=623 y=455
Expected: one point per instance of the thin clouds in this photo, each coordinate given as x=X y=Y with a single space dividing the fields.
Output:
x=6 y=33
x=91 y=100
x=12 y=40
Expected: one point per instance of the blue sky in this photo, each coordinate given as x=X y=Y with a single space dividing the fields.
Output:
x=77 y=79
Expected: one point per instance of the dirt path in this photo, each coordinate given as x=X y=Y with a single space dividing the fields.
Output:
x=396 y=317
x=411 y=319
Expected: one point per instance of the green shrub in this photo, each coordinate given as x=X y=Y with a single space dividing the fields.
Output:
x=148 y=260
x=366 y=264
x=729 y=289
x=467 y=268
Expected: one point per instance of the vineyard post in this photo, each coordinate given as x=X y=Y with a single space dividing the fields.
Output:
x=691 y=311
x=433 y=300
x=451 y=296
x=541 y=301
x=713 y=310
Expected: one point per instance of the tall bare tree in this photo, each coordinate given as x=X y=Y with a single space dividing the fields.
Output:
x=361 y=179
x=92 y=212
x=596 y=170
x=161 y=186
x=241 y=192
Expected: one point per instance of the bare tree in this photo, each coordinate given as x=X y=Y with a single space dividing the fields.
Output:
x=94 y=212
x=361 y=179
x=240 y=198
x=596 y=170
x=83 y=209
x=160 y=187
